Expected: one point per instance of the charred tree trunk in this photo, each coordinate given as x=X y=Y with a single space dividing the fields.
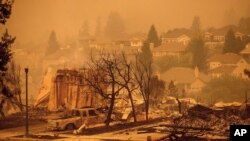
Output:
x=146 y=108
x=20 y=101
x=112 y=103
x=132 y=105
x=179 y=105
x=1 y=109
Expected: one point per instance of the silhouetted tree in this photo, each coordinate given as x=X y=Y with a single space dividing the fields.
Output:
x=245 y=40
x=158 y=89
x=226 y=88
x=84 y=31
x=6 y=39
x=232 y=44
x=125 y=72
x=244 y=25
x=106 y=73
x=143 y=77
x=173 y=91
x=230 y=17
x=12 y=84
x=146 y=54
x=196 y=26
x=247 y=73
x=53 y=44
x=98 y=31
x=153 y=37
x=197 y=48
x=115 y=28
x=5 y=52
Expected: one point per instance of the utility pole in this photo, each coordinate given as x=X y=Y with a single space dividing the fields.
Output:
x=27 y=110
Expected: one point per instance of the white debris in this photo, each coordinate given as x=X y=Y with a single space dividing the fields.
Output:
x=224 y=104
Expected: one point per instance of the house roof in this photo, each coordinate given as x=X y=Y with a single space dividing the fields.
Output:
x=223 y=30
x=176 y=33
x=138 y=36
x=183 y=75
x=170 y=47
x=227 y=58
x=246 y=50
x=223 y=69
x=67 y=53
x=200 y=108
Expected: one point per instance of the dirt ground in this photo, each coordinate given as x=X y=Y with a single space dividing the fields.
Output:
x=17 y=121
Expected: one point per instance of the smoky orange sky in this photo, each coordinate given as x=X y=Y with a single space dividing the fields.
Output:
x=33 y=20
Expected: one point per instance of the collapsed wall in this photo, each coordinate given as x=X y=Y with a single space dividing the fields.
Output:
x=68 y=89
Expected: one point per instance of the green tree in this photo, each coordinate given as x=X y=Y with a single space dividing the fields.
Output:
x=146 y=54
x=153 y=37
x=199 y=52
x=53 y=44
x=5 y=52
x=230 y=42
x=6 y=40
x=166 y=62
x=233 y=44
x=245 y=40
x=226 y=88
x=115 y=28
x=244 y=25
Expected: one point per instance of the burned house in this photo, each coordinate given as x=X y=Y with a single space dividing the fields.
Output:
x=200 y=111
x=222 y=109
x=69 y=89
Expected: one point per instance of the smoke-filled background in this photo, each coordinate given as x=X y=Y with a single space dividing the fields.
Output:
x=32 y=22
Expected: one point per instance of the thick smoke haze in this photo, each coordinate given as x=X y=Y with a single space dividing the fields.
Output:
x=33 y=20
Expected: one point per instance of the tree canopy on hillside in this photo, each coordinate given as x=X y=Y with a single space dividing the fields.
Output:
x=53 y=44
x=196 y=26
x=153 y=37
x=115 y=28
x=233 y=44
x=197 y=48
x=244 y=25
x=226 y=88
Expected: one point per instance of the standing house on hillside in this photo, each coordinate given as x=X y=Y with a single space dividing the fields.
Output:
x=137 y=39
x=192 y=80
x=169 y=49
x=227 y=64
x=183 y=38
x=246 y=52
x=218 y=35
x=239 y=35
x=67 y=56
x=136 y=42
x=215 y=36
x=177 y=36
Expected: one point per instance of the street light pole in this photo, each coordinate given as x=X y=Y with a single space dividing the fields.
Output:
x=27 y=110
